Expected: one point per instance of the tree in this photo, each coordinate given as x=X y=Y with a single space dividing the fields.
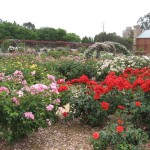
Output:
x=87 y=40
x=25 y=34
x=61 y=34
x=29 y=25
x=113 y=37
x=144 y=22
x=47 y=34
x=14 y=31
x=72 y=37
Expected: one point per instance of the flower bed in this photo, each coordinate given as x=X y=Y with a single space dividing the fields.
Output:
x=119 y=101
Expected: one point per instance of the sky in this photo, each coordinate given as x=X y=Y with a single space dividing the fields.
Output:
x=82 y=17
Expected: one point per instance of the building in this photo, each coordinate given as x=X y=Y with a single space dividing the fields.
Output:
x=136 y=32
x=128 y=32
x=143 y=42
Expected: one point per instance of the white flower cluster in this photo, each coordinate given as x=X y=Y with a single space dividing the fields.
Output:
x=120 y=63
x=12 y=48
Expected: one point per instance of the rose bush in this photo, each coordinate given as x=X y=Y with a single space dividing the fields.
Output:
x=24 y=108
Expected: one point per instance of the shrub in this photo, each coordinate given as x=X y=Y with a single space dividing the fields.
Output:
x=74 y=69
x=129 y=138
x=24 y=108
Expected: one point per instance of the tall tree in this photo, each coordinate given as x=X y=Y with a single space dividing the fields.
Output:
x=14 y=31
x=47 y=34
x=72 y=37
x=87 y=40
x=61 y=34
x=29 y=25
x=144 y=22
x=113 y=37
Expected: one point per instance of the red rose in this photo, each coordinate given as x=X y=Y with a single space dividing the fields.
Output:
x=83 y=79
x=62 y=88
x=96 y=135
x=119 y=129
x=105 y=105
x=60 y=81
x=121 y=107
x=65 y=114
x=138 y=104
x=120 y=121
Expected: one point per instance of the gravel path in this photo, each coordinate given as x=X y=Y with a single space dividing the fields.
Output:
x=61 y=136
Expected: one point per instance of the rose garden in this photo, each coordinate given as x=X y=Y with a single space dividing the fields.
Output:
x=107 y=88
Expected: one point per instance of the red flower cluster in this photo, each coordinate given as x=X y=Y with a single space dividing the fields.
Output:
x=138 y=104
x=96 y=135
x=98 y=91
x=62 y=88
x=119 y=129
x=83 y=79
x=105 y=105
x=121 y=107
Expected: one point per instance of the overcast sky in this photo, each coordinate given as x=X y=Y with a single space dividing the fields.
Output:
x=83 y=17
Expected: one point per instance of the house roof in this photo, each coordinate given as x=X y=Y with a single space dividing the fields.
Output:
x=145 y=34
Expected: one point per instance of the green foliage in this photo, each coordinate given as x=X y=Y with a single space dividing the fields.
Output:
x=106 y=47
x=74 y=69
x=13 y=122
x=130 y=139
x=86 y=109
x=72 y=37
x=58 y=54
x=15 y=125
x=61 y=34
x=87 y=40
x=29 y=25
x=14 y=31
x=47 y=34
x=144 y=22
x=28 y=31
x=5 y=45
x=103 y=37
x=11 y=45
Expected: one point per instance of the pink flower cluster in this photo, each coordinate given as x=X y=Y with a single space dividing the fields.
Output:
x=2 y=89
x=18 y=74
x=53 y=88
x=20 y=93
x=51 y=77
x=37 y=88
x=50 y=107
x=15 y=100
x=29 y=115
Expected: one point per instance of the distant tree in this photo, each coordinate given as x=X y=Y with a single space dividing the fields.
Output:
x=61 y=34
x=29 y=25
x=47 y=34
x=144 y=22
x=101 y=37
x=113 y=37
x=72 y=37
x=25 y=34
x=87 y=40
x=14 y=31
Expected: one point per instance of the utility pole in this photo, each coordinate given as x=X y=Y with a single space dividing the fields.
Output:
x=103 y=24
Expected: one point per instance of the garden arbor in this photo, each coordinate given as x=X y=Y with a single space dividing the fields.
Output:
x=107 y=46
x=11 y=45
